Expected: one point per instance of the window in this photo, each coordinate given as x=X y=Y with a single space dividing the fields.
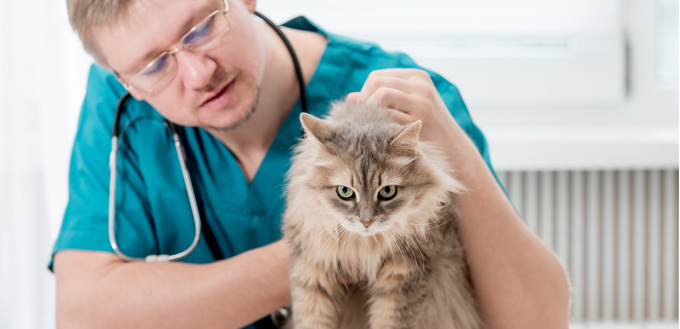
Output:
x=499 y=52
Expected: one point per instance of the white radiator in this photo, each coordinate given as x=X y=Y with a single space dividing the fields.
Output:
x=616 y=232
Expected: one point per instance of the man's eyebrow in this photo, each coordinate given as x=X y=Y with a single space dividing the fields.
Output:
x=189 y=23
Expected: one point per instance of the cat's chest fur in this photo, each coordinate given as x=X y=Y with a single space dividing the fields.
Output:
x=372 y=225
x=362 y=258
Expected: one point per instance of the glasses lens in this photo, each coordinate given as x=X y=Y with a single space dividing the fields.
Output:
x=155 y=73
x=206 y=32
x=199 y=38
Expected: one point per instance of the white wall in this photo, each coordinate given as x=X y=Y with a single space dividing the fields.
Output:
x=554 y=85
x=42 y=80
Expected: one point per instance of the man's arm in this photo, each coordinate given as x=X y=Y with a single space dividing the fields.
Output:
x=98 y=290
x=518 y=280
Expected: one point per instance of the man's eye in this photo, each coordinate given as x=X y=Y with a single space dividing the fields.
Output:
x=205 y=27
x=201 y=32
x=157 y=66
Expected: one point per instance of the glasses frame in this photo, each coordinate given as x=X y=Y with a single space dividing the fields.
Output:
x=130 y=85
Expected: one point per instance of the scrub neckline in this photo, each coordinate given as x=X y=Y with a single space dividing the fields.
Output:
x=269 y=179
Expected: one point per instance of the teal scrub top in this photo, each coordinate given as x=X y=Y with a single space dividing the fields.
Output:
x=153 y=215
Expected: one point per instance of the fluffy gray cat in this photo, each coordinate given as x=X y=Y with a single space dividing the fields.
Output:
x=372 y=227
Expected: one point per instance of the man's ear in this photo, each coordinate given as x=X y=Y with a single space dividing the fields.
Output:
x=315 y=127
x=406 y=142
x=133 y=92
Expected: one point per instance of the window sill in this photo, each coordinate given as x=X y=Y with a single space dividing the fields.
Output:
x=582 y=148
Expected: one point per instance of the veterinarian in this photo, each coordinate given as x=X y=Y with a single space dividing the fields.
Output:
x=212 y=77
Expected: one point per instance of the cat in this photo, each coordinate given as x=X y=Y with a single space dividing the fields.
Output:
x=372 y=227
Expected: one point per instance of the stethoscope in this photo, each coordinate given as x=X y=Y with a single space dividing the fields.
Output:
x=181 y=156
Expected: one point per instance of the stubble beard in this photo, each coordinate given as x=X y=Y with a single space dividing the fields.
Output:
x=236 y=125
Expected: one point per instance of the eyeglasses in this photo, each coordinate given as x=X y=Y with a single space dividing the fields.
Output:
x=163 y=68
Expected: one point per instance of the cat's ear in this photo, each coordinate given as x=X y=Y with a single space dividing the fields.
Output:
x=407 y=140
x=315 y=127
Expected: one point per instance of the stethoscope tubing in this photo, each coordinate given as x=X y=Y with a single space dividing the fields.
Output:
x=181 y=156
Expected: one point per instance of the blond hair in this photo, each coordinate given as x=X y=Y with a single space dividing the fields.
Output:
x=88 y=15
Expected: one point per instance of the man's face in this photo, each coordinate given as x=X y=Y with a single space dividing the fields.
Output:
x=217 y=87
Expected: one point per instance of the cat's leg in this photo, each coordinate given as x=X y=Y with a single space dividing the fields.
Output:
x=317 y=298
x=395 y=295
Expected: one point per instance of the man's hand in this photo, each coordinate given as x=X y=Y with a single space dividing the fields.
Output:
x=410 y=95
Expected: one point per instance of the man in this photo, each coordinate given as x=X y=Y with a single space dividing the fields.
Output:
x=236 y=96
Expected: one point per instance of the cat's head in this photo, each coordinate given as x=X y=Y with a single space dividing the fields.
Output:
x=374 y=176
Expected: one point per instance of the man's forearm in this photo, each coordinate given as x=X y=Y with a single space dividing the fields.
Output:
x=518 y=280
x=226 y=294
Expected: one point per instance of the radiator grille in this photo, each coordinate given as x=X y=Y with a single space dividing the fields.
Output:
x=616 y=232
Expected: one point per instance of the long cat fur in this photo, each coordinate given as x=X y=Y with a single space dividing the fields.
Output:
x=412 y=275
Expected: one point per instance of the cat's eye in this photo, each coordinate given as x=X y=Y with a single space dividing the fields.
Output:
x=345 y=192
x=387 y=192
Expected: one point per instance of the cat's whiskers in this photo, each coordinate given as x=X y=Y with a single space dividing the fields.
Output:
x=429 y=225
x=389 y=247
x=308 y=236
x=341 y=255
x=333 y=237
x=309 y=230
x=399 y=241
x=390 y=243
x=403 y=257
x=410 y=251
x=318 y=235
x=422 y=257
x=323 y=223
x=326 y=251
x=308 y=227
x=341 y=235
x=415 y=244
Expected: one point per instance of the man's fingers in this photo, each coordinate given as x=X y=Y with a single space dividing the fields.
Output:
x=401 y=117
x=392 y=98
x=401 y=73
x=352 y=97
x=374 y=83
x=389 y=100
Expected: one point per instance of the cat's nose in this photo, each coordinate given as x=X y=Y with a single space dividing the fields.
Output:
x=366 y=223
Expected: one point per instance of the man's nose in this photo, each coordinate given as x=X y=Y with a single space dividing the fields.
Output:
x=196 y=69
